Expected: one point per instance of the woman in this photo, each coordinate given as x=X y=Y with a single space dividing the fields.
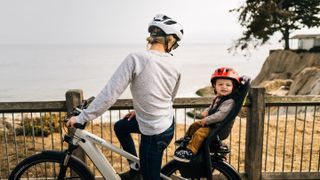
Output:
x=154 y=79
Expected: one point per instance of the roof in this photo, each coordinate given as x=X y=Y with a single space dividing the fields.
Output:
x=306 y=36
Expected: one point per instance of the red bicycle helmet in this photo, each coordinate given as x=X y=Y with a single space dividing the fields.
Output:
x=225 y=73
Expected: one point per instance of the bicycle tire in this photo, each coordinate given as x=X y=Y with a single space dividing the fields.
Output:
x=46 y=165
x=220 y=170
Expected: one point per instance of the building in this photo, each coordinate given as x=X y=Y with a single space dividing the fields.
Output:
x=307 y=41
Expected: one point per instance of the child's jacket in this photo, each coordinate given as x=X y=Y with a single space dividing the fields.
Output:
x=218 y=111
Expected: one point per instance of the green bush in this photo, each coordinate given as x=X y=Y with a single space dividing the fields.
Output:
x=299 y=50
x=39 y=126
x=315 y=49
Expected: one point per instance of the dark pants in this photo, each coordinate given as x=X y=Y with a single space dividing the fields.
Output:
x=151 y=147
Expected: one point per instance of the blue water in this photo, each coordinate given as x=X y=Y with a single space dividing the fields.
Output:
x=46 y=72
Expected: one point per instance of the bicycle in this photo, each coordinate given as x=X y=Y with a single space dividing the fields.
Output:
x=50 y=164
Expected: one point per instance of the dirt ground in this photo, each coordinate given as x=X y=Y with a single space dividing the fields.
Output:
x=296 y=147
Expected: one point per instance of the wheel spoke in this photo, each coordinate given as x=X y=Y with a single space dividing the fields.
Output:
x=48 y=166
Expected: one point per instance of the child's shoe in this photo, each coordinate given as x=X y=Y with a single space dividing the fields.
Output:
x=183 y=155
x=182 y=141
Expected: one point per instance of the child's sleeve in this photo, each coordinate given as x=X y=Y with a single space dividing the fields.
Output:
x=221 y=113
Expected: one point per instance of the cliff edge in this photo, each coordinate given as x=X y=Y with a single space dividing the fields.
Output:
x=290 y=73
x=286 y=73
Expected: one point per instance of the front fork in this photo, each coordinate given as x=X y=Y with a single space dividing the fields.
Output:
x=68 y=153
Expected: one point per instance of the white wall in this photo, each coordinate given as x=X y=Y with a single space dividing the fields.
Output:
x=306 y=44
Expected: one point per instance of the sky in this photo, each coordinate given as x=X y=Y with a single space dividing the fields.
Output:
x=113 y=21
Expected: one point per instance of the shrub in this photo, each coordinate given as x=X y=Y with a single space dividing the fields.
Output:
x=39 y=126
x=299 y=50
x=196 y=113
x=315 y=49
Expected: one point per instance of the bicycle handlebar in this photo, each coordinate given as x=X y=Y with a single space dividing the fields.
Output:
x=79 y=126
x=77 y=110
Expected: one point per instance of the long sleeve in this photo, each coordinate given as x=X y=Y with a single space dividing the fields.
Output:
x=110 y=93
x=222 y=112
x=175 y=90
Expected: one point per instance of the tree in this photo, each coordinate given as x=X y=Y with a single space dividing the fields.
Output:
x=262 y=19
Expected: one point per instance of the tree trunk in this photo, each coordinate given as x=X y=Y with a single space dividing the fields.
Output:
x=286 y=38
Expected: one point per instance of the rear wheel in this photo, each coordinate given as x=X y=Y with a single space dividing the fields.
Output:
x=220 y=170
x=48 y=165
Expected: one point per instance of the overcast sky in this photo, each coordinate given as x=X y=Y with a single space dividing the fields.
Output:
x=113 y=21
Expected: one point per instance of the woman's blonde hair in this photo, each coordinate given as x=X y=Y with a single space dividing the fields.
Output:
x=161 y=39
x=165 y=40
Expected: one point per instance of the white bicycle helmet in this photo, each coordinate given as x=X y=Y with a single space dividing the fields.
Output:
x=167 y=25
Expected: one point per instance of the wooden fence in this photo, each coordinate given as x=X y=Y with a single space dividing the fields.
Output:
x=272 y=138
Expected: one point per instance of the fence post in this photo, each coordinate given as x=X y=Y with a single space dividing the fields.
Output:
x=254 y=134
x=73 y=98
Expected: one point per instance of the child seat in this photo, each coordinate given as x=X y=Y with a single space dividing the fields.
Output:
x=200 y=165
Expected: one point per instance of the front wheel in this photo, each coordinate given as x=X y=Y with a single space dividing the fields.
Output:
x=220 y=170
x=47 y=165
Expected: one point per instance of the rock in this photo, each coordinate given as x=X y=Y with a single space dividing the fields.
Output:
x=3 y=128
x=205 y=92
x=307 y=82
x=8 y=126
x=278 y=87
x=290 y=73
x=195 y=113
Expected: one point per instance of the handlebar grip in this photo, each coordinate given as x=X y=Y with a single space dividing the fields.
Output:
x=79 y=126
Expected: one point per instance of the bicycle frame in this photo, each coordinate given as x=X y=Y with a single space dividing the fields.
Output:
x=88 y=141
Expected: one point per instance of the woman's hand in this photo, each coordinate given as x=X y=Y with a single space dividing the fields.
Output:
x=204 y=114
x=130 y=115
x=71 y=121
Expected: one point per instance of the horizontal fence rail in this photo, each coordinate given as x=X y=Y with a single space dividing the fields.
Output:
x=291 y=133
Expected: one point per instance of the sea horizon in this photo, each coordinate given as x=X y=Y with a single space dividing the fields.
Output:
x=41 y=72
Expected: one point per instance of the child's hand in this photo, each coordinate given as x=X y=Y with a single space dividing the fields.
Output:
x=203 y=122
x=130 y=115
x=204 y=114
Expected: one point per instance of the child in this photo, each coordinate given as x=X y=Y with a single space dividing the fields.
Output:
x=225 y=82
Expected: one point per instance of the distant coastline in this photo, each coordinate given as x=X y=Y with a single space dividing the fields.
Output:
x=40 y=73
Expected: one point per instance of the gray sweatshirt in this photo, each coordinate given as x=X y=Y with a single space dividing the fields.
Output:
x=154 y=78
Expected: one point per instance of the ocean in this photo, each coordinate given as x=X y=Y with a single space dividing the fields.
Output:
x=46 y=72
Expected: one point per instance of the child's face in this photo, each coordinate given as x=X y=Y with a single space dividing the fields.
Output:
x=223 y=87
